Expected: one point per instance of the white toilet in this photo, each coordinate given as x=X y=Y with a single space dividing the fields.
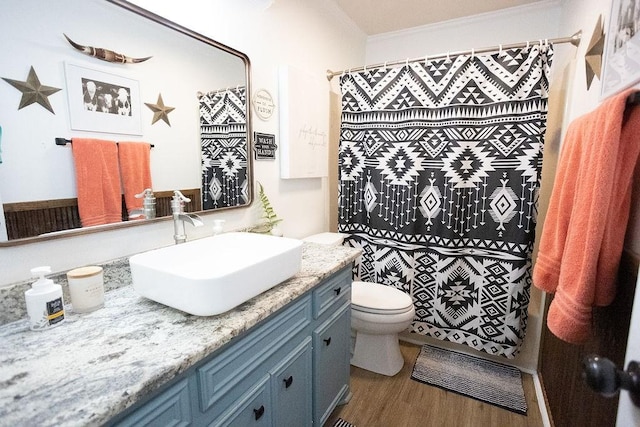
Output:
x=378 y=314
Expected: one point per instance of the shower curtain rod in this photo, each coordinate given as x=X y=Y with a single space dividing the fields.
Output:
x=574 y=40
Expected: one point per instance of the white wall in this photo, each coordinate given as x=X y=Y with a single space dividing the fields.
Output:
x=534 y=22
x=313 y=36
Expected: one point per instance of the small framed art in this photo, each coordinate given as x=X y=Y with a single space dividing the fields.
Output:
x=621 y=67
x=102 y=102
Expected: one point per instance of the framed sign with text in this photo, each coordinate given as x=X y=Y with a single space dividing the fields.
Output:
x=264 y=146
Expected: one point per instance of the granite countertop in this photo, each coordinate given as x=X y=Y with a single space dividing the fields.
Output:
x=95 y=365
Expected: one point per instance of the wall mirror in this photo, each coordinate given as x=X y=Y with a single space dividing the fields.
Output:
x=201 y=138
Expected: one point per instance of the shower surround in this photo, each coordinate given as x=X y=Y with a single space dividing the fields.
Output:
x=440 y=166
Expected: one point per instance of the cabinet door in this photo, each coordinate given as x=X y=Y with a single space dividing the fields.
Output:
x=291 y=388
x=331 y=363
x=252 y=410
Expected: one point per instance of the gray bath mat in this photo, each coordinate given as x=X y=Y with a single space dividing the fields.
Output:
x=480 y=379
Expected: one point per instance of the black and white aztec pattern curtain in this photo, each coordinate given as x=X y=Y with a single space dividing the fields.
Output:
x=223 y=137
x=439 y=176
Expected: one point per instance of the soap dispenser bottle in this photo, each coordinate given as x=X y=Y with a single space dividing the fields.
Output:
x=45 y=306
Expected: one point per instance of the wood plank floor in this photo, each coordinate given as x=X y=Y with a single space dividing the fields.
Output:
x=399 y=401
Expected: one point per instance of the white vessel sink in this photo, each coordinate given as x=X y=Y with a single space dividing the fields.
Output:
x=215 y=274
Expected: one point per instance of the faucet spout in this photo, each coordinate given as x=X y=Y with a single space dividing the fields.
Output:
x=136 y=213
x=191 y=218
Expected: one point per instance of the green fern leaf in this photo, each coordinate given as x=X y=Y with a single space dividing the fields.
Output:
x=268 y=212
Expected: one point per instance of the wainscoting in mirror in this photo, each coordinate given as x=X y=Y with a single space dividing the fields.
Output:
x=38 y=187
x=31 y=219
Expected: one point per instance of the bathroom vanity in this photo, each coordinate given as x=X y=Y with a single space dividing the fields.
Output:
x=281 y=358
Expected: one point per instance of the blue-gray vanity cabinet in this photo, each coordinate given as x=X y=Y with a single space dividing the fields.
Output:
x=292 y=369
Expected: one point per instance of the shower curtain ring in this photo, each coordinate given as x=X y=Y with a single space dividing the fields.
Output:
x=527 y=44
x=546 y=42
x=500 y=51
x=407 y=63
x=448 y=56
x=473 y=53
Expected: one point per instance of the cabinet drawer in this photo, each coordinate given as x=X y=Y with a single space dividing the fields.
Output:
x=235 y=368
x=252 y=409
x=291 y=388
x=171 y=408
x=336 y=290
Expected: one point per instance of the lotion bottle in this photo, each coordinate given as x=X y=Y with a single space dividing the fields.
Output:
x=45 y=306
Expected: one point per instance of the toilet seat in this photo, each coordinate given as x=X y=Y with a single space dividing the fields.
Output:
x=379 y=299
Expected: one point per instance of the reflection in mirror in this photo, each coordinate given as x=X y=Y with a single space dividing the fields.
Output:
x=188 y=100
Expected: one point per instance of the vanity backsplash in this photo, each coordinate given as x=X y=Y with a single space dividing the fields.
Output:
x=12 y=301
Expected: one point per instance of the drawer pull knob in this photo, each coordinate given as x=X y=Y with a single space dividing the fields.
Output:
x=337 y=291
x=259 y=412
x=327 y=341
x=288 y=381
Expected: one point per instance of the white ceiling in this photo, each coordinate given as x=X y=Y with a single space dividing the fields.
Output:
x=382 y=16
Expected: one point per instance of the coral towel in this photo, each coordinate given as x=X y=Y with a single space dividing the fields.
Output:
x=135 y=171
x=98 y=181
x=583 y=233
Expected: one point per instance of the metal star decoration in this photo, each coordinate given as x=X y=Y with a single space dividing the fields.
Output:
x=33 y=91
x=160 y=111
x=593 y=57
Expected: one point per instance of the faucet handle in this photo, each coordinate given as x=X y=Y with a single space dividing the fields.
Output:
x=145 y=193
x=177 y=202
x=179 y=196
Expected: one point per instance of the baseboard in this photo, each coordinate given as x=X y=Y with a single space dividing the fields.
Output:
x=542 y=401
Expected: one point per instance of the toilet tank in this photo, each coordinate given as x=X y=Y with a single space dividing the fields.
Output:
x=328 y=238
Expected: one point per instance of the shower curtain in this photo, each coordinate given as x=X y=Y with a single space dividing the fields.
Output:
x=223 y=137
x=439 y=174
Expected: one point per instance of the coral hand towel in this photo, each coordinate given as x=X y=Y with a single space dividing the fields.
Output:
x=97 y=181
x=135 y=169
x=583 y=233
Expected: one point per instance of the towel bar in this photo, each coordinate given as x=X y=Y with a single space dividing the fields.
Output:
x=64 y=141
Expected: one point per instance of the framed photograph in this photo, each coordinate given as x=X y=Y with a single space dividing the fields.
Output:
x=622 y=53
x=102 y=102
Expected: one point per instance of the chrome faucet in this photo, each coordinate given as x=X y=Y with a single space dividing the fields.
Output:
x=148 y=210
x=180 y=217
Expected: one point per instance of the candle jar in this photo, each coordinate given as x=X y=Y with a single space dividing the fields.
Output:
x=86 y=288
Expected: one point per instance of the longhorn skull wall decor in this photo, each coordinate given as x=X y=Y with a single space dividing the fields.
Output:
x=105 y=54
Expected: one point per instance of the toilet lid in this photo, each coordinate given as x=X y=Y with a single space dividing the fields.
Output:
x=376 y=298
